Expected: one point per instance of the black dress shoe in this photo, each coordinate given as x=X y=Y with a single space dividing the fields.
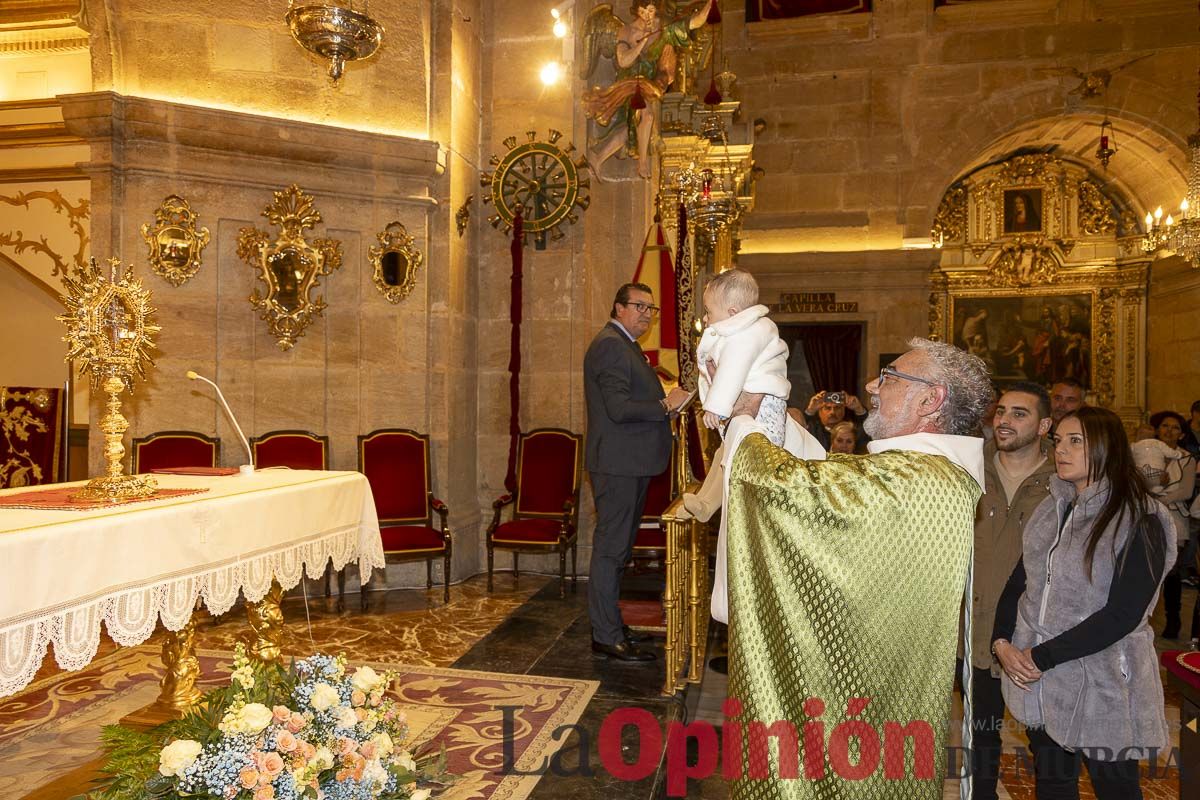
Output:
x=719 y=665
x=622 y=652
x=633 y=637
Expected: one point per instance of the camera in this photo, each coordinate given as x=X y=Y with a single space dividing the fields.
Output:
x=836 y=397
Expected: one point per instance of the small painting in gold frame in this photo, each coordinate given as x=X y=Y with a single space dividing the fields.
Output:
x=395 y=260
x=176 y=244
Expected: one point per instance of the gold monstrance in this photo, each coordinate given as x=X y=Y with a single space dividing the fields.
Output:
x=108 y=332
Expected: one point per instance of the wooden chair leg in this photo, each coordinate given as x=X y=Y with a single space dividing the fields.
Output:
x=516 y=566
x=574 y=568
x=562 y=573
x=429 y=573
x=341 y=601
x=446 y=577
x=328 y=576
x=491 y=557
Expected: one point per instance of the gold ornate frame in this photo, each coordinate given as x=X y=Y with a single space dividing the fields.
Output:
x=290 y=266
x=1117 y=298
x=396 y=260
x=176 y=245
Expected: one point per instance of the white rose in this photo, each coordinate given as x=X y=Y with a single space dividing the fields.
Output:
x=405 y=760
x=383 y=744
x=366 y=680
x=323 y=697
x=255 y=717
x=344 y=717
x=374 y=774
x=369 y=724
x=178 y=756
x=421 y=794
x=323 y=758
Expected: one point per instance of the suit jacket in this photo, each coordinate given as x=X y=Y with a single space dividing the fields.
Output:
x=627 y=430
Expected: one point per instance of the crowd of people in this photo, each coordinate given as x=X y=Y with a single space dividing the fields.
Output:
x=1074 y=530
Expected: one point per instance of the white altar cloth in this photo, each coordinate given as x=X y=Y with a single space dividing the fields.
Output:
x=132 y=565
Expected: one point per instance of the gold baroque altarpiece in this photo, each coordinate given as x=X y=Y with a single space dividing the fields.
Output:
x=1036 y=277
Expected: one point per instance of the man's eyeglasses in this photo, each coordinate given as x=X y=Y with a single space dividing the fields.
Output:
x=643 y=308
x=891 y=372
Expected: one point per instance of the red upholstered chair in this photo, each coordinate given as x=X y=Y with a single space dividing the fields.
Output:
x=169 y=449
x=396 y=463
x=546 y=504
x=650 y=544
x=294 y=449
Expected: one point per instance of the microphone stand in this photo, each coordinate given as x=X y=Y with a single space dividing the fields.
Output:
x=244 y=469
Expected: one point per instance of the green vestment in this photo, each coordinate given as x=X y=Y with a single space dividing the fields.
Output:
x=845 y=581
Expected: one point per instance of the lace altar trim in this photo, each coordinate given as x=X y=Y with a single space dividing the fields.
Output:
x=132 y=614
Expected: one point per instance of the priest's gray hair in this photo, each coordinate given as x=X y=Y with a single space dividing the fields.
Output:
x=736 y=287
x=968 y=385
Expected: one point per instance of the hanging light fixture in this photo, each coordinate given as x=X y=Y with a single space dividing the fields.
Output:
x=334 y=31
x=1182 y=236
x=1108 y=143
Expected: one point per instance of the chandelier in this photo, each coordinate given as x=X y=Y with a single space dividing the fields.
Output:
x=334 y=31
x=1182 y=236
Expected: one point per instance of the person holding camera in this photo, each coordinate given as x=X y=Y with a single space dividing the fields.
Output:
x=827 y=409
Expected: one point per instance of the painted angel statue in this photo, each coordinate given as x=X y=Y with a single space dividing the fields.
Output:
x=643 y=52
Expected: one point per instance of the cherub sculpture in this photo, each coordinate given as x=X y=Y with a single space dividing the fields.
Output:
x=643 y=52
x=1094 y=83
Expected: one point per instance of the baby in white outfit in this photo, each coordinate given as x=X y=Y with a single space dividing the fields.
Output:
x=740 y=351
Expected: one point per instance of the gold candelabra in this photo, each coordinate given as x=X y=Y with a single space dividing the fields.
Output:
x=109 y=335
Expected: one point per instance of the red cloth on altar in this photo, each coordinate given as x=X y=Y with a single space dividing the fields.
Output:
x=59 y=499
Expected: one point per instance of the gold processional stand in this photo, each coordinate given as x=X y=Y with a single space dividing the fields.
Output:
x=110 y=335
x=686 y=594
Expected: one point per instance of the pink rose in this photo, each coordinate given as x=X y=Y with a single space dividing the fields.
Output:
x=357 y=698
x=306 y=749
x=346 y=746
x=376 y=699
x=264 y=792
x=360 y=714
x=280 y=715
x=249 y=777
x=285 y=741
x=272 y=764
x=296 y=723
x=368 y=750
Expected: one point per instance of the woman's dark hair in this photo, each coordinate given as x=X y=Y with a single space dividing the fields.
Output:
x=1109 y=458
x=1157 y=418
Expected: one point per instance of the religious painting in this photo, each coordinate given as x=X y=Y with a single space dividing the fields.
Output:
x=759 y=10
x=1040 y=338
x=1022 y=210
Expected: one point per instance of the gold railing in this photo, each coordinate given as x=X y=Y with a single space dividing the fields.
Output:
x=685 y=597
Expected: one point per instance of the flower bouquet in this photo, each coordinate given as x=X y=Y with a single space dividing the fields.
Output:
x=311 y=731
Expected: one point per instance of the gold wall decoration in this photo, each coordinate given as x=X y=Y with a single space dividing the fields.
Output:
x=396 y=260
x=950 y=223
x=290 y=266
x=1096 y=215
x=463 y=215
x=76 y=213
x=176 y=245
x=109 y=335
x=542 y=181
x=1025 y=261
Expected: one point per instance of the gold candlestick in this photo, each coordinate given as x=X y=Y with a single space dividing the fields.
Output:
x=109 y=334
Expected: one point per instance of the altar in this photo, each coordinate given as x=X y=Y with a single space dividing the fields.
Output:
x=132 y=565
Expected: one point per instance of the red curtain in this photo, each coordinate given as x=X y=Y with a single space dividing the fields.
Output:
x=514 y=352
x=832 y=353
x=30 y=435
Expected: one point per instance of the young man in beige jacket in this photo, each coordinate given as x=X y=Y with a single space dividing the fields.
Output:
x=1017 y=472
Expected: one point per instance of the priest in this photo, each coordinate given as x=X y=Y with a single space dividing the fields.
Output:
x=845 y=579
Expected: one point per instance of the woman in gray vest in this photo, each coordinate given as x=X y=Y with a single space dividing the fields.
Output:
x=1072 y=629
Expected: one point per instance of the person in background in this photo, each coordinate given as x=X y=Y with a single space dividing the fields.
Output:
x=1175 y=492
x=843 y=438
x=988 y=414
x=826 y=409
x=1066 y=395
x=1072 y=630
x=1017 y=473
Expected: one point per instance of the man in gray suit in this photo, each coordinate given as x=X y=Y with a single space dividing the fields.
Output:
x=628 y=443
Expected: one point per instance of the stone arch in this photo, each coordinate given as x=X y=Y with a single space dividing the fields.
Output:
x=1151 y=121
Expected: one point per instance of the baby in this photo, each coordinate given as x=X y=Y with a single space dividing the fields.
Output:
x=740 y=351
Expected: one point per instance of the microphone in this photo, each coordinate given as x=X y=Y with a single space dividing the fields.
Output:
x=245 y=469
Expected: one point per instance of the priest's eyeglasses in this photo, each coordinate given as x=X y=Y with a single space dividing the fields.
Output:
x=644 y=308
x=891 y=372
